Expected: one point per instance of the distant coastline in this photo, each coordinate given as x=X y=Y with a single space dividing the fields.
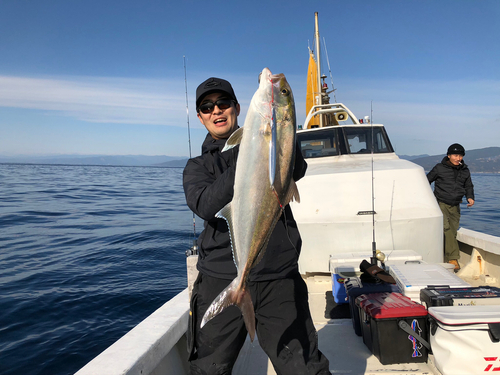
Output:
x=93 y=165
x=484 y=160
x=100 y=160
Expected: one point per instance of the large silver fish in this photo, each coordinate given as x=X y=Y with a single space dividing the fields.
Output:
x=263 y=186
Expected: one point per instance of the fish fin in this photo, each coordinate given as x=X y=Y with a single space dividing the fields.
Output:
x=295 y=190
x=225 y=299
x=293 y=193
x=226 y=214
x=234 y=139
x=233 y=296
x=273 y=150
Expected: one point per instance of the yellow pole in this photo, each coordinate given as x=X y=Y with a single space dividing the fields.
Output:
x=316 y=34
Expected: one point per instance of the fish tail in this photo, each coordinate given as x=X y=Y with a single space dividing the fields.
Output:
x=233 y=295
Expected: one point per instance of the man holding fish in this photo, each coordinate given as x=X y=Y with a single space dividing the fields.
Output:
x=248 y=251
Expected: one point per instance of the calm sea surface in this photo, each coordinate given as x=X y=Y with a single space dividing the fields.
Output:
x=87 y=252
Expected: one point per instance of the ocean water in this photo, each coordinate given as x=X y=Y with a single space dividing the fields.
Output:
x=87 y=252
x=484 y=216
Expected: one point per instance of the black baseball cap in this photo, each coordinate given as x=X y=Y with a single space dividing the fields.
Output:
x=456 y=149
x=212 y=85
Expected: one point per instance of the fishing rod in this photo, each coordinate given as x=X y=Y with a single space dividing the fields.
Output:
x=194 y=248
x=374 y=244
x=187 y=106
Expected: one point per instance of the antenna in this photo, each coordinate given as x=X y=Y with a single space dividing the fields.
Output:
x=330 y=70
x=194 y=249
x=374 y=244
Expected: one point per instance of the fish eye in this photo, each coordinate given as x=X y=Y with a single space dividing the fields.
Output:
x=285 y=92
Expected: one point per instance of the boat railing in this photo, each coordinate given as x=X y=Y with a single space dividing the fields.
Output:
x=479 y=257
x=327 y=109
x=153 y=346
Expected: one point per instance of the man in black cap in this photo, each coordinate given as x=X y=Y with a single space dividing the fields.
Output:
x=452 y=181
x=279 y=294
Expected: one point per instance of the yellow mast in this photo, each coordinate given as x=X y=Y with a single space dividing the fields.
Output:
x=312 y=88
x=316 y=34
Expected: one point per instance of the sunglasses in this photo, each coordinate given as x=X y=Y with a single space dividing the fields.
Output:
x=208 y=107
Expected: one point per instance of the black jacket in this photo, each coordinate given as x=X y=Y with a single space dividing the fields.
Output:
x=208 y=185
x=451 y=182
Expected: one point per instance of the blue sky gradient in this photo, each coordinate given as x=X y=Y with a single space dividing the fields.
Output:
x=107 y=77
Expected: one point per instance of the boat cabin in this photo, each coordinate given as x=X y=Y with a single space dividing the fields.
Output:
x=350 y=194
x=336 y=138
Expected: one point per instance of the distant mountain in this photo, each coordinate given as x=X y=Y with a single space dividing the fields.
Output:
x=485 y=160
x=412 y=157
x=181 y=163
x=117 y=160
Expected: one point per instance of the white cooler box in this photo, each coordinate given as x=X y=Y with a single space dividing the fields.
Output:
x=346 y=265
x=465 y=340
x=411 y=278
x=352 y=260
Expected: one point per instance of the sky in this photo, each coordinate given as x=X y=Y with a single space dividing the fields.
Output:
x=119 y=77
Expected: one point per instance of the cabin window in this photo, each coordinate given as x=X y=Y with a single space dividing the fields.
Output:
x=359 y=140
x=318 y=144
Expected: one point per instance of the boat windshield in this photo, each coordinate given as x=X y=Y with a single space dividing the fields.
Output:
x=359 y=140
x=318 y=144
x=338 y=140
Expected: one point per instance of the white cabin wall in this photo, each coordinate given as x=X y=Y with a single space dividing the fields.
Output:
x=319 y=241
x=336 y=189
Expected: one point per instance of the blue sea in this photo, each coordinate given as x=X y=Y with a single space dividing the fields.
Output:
x=87 y=252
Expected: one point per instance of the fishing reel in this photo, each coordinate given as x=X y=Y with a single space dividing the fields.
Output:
x=193 y=250
x=380 y=256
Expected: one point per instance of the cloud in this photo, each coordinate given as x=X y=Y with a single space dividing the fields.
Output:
x=106 y=100
x=417 y=113
x=424 y=116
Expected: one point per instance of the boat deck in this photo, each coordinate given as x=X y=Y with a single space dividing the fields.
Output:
x=157 y=345
x=346 y=351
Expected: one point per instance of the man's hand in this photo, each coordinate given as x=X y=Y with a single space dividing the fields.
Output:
x=471 y=202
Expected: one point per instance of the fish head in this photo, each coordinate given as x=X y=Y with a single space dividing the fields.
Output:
x=283 y=102
x=276 y=107
x=275 y=93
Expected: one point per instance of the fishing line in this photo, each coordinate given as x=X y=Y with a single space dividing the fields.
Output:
x=277 y=198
